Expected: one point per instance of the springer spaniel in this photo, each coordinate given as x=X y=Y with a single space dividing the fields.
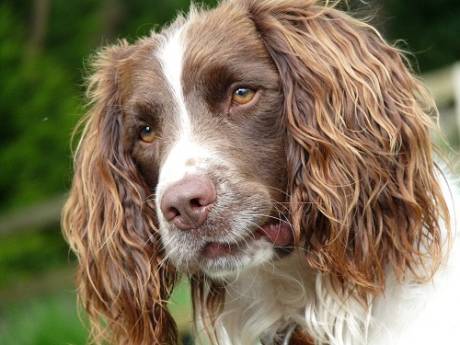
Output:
x=277 y=153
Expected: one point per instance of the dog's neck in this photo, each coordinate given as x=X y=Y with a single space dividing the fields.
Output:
x=269 y=301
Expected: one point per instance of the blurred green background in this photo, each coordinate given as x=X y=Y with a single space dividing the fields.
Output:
x=44 y=45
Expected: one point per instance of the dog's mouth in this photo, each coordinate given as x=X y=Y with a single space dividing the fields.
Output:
x=279 y=234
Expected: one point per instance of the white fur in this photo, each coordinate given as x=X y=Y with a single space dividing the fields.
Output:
x=170 y=54
x=429 y=313
x=190 y=153
x=187 y=153
x=267 y=297
x=263 y=299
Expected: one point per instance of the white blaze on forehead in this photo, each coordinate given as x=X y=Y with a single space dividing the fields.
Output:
x=171 y=56
x=186 y=152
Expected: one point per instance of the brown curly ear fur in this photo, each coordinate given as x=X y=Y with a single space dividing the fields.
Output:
x=363 y=188
x=123 y=282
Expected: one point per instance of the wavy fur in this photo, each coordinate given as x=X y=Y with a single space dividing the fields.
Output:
x=110 y=224
x=363 y=194
x=361 y=176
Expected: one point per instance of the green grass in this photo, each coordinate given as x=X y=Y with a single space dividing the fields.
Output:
x=37 y=299
x=45 y=320
x=24 y=255
x=52 y=319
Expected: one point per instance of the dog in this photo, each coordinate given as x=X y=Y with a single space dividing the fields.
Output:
x=278 y=155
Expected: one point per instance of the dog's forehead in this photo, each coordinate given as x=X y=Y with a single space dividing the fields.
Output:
x=199 y=50
x=194 y=45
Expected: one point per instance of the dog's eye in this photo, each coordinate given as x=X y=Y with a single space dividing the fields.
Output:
x=147 y=134
x=243 y=95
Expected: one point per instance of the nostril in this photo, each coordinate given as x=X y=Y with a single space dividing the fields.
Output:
x=171 y=213
x=196 y=203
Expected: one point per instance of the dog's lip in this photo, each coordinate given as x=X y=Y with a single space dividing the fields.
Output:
x=278 y=233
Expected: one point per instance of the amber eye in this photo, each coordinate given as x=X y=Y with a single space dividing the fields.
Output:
x=147 y=134
x=243 y=95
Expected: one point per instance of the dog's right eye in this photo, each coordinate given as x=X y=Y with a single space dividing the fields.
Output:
x=147 y=134
x=243 y=95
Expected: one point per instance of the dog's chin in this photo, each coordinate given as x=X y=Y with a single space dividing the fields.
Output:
x=220 y=263
x=224 y=259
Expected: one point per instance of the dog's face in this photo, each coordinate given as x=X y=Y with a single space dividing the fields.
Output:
x=204 y=122
x=236 y=134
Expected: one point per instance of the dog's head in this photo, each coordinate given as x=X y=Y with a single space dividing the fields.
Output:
x=232 y=136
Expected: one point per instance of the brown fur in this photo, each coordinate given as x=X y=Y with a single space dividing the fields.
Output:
x=362 y=190
x=362 y=181
x=121 y=279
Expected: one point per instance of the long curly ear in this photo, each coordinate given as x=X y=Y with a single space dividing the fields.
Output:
x=361 y=178
x=110 y=225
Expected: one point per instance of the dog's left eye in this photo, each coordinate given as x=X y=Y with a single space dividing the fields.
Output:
x=243 y=95
x=147 y=134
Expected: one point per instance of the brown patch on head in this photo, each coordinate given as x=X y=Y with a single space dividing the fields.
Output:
x=223 y=47
x=223 y=51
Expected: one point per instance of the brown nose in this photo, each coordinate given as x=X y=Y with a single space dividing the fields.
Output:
x=186 y=203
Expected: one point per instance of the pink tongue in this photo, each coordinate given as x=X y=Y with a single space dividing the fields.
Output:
x=279 y=234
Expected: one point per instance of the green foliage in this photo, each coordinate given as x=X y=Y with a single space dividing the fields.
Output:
x=430 y=28
x=24 y=255
x=38 y=107
x=47 y=320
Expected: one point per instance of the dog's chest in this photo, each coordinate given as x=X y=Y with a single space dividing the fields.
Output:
x=268 y=302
